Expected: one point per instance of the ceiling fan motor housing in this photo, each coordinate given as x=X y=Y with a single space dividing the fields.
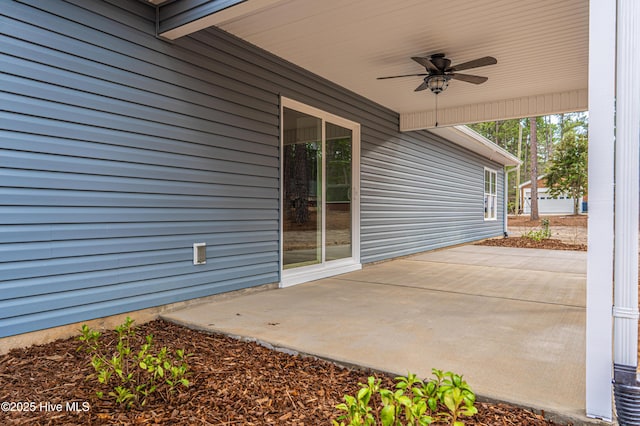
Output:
x=441 y=63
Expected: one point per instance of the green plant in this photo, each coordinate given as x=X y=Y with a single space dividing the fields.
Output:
x=130 y=374
x=456 y=395
x=446 y=398
x=89 y=338
x=539 y=234
x=408 y=402
x=357 y=407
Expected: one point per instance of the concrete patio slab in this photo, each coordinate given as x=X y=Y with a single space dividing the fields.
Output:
x=512 y=321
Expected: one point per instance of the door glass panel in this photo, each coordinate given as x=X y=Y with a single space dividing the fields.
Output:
x=338 y=192
x=302 y=184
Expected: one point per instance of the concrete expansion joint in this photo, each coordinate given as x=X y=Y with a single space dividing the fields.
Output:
x=519 y=267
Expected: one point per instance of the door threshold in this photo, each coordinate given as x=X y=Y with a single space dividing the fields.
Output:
x=296 y=276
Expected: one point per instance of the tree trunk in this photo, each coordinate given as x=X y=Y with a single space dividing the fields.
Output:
x=299 y=190
x=549 y=152
x=534 y=169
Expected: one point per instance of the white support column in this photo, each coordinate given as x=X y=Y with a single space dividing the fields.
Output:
x=625 y=310
x=599 y=339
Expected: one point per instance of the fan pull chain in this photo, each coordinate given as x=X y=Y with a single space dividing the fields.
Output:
x=436 y=110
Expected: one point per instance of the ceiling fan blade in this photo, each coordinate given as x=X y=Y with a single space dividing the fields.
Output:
x=425 y=62
x=480 y=62
x=406 y=75
x=421 y=87
x=475 y=79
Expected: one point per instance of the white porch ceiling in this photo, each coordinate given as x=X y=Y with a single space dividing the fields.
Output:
x=541 y=47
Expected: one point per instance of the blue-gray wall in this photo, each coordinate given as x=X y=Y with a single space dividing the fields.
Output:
x=419 y=193
x=118 y=151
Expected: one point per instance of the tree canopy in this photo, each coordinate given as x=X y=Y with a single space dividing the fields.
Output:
x=550 y=132
x=567 y=171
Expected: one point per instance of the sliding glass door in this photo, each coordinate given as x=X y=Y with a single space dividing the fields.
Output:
x=338 y=184
x=319 y=190
x=302 y=186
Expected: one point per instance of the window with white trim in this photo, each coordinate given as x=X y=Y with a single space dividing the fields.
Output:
x=490 y=194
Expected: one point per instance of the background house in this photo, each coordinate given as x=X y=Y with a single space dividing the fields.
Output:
x=546 y=203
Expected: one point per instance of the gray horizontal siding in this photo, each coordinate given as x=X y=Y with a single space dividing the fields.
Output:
x=420 y=192
x=197 y=285
x=119 y=150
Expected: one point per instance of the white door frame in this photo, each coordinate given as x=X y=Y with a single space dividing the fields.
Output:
x=325 y=269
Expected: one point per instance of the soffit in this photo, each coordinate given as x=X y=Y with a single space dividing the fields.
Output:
x=541 y=48
x=467 y=138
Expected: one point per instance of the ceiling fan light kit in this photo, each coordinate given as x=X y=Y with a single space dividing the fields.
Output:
x=437 y=83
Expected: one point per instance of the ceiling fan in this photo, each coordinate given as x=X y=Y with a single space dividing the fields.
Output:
x=440 y=71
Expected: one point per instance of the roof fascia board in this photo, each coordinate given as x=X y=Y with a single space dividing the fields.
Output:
x=473 y=141
x=528 y=106
x=184 y=17
x=175 y=15
x=529 y=181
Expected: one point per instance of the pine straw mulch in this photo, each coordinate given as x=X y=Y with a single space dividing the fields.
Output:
x=232 y=383
x=522 y=242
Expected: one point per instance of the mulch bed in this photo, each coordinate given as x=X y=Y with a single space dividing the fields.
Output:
x=554 y=220
x=522 y=242
x=232 y=383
